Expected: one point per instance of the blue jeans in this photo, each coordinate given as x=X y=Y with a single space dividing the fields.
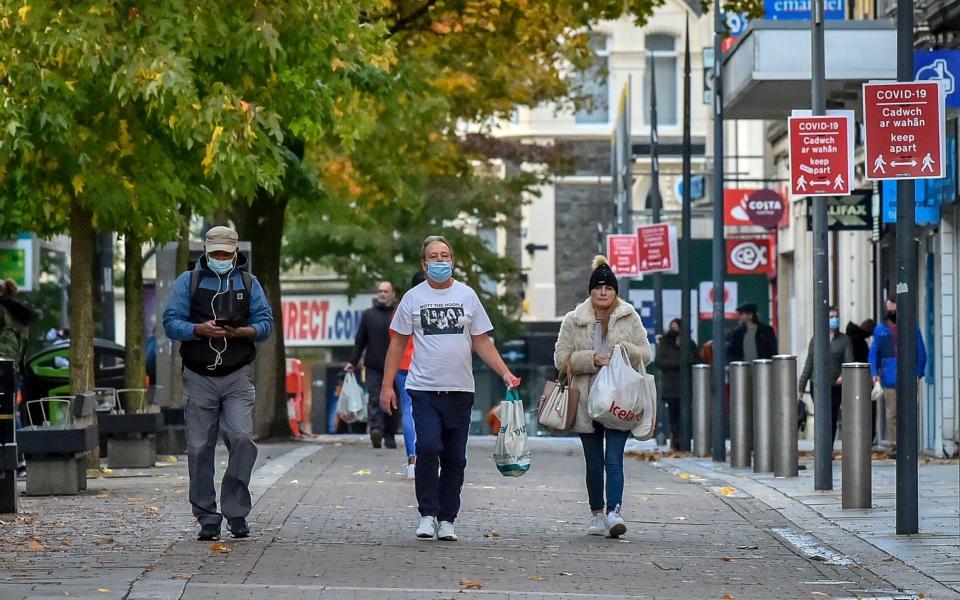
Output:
x=599 y=459
x=406 y=409
x=442 y=420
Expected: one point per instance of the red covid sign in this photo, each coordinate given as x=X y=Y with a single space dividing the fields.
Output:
x=821 y=155
x=904 y=130
x=624 y=254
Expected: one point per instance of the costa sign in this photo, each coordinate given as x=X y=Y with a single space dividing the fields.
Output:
x=744 y=208
x=750 y=257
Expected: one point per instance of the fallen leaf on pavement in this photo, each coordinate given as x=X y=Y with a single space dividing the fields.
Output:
x=65 y=542
x=726 y=559
x=34 y=545
x=470 y=585
x=103 y=590
x=220 y=548
x=491 y=534
x=536 y=578
x=728 y=597
x=155 y=509
x=362 y=472
x=727 y=491
x=564 y=574
x=683 y=476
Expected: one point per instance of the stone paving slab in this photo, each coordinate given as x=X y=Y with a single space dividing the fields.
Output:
x=342 y=527
x=934 y=552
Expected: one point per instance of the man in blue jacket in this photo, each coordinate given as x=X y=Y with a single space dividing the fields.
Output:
x=217 y=312
x=883 y=365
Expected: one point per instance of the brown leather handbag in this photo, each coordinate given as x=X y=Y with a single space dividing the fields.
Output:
x=558 y=403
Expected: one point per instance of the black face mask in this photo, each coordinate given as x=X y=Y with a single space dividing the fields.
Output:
x=892 y=316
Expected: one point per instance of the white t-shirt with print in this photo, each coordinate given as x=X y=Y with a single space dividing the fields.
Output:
x=442 y=322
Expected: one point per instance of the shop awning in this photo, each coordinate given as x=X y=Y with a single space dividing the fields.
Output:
x=767 y=72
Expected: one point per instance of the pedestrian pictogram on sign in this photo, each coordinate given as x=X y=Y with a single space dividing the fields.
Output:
x=624 y=254
x=904 y=130
x=821 y=155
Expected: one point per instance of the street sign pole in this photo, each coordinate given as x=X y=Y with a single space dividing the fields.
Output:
x=823 y=448
x=686 y=392
x=906 y=294
x=655 y=200
x=719 y=260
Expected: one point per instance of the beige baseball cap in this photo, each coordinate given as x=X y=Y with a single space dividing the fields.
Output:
x=222 y=238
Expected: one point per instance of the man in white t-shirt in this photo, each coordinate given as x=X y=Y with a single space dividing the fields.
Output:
x=448 y=323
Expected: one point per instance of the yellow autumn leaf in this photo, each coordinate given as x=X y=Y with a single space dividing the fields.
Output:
x=24 y=11
x=683 y=476
x=35 y=545
x=70 y=85
x=220 y=548
x=362 y=472
x=336 y=64
x=103 y=590
x=211 y=149
x=728 y=491
x=77 y=182
x=172 y=121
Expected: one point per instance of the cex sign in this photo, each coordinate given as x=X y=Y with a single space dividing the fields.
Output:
x=904 y=126
x=323 y=319
x=750 y=257
x=821 y=154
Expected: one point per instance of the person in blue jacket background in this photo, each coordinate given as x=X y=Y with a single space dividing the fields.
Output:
x=218 y=311
x=883 y=365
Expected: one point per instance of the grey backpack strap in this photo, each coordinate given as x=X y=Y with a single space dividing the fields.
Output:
x=247 y=280
x=194 y=281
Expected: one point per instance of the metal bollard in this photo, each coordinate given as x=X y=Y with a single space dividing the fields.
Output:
x=857 y=436
x=8 y=438
x=741 y=414
x=763 y=416
x=785 y=455
x=701 y=410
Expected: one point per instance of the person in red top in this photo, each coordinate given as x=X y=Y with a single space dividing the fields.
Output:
x=406 y=405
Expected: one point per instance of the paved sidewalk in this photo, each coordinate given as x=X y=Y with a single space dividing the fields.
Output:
x=335 y=521
x=935 y=551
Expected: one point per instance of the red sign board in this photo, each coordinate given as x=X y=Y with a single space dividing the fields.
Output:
x=904 y=130
x=744 y=208
x=750 y=257
x=656 y=252
x=821 y=155
x=624 y=254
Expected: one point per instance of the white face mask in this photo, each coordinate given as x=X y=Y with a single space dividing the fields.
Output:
x=220 y=267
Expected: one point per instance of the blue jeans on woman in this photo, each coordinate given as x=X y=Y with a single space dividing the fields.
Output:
x=406 y=409
x=602 y=459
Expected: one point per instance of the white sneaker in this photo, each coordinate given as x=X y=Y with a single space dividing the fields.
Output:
x=616 y=524
x=598 y=525
x=411 y=471
x=446 y=532
x=427 y=528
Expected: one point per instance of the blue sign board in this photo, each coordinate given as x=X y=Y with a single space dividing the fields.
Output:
x=930 y=193
x=697 y=183
x=792 y=10
x=736 y=22
x=940 y=65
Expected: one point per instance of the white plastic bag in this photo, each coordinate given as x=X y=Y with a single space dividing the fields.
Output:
x=876 y=394
x=511 y=453
x=351 y=405
x=623 y=399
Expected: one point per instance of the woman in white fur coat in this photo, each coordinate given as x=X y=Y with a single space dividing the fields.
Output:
x=587 y=336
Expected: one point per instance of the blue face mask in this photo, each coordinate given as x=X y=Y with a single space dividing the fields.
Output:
x=440 y=271
x=835 y=323
x=220 y=267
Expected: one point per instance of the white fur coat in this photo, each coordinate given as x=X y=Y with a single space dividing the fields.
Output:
x=576 y=345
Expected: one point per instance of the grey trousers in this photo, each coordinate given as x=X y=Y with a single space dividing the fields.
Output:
x=215 y=405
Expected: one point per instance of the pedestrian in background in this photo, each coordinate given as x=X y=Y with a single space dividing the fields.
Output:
x=841 y=351
x=218 y=312
x=370 y=346
x=588 y=335
x=16 y=316
x=668 y=361
x=859 y=334
x=406 y=404
x=448 y=324
x=753 y=339
x=883 y=365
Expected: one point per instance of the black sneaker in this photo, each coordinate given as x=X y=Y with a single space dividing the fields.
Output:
x=209 y=533
x=390 y=441
x=238 y=527
x=376 y=438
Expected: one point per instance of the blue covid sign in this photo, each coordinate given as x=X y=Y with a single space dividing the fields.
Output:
x=792 y=10
x=943 y=66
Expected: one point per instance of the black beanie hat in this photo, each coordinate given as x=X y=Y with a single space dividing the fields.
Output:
x=602 y=274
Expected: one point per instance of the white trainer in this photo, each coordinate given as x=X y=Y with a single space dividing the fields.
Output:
x=411 y=471
x=598 y=525
x=616 y=524
x=428 y=528
x=446 y=533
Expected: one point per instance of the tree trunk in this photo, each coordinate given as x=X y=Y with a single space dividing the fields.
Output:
x=134 y=355
x=81 y=299
x=183 y=247
x=262 y=224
